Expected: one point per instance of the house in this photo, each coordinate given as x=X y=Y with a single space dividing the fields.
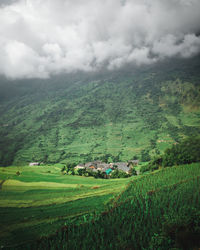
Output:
x=103 y=166
x=99 y=165
x=92 y=167
x=123 y=166
x=89 y=164
x=80 y=166
x=34 y=164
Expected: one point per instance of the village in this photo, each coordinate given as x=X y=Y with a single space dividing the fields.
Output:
x=108 y=168
x=99 y=169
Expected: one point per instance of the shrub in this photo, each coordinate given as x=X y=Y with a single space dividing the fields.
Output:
x=118 y=174
x=185 y=152
x=144 y=168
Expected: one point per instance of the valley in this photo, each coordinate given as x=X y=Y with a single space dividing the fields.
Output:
x=99 y=125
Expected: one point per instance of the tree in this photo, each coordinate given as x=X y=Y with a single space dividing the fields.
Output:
x=71 y=172
x=118 y=174
x=132 y=171
x=145 y=156
x=185 y=152
x=105 y=158
x=63 y=169
x=114 y=174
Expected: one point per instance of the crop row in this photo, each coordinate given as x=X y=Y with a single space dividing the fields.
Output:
x=157 y=211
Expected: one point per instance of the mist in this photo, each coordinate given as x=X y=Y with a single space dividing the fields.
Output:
x=40 y=38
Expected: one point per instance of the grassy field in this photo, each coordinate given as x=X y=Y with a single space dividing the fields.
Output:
x=159 y=210
x=40 y=202
x=36 y=201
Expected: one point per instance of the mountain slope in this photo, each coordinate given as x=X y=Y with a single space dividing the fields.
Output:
x=110 y=116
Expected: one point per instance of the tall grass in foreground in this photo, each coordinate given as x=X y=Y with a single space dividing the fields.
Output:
x=157 y=211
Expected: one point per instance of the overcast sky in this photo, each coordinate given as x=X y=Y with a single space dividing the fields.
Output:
x=43 y=37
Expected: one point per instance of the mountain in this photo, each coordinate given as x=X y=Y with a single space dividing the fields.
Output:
x=114 y=116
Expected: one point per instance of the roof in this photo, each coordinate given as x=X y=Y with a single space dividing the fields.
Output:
x=125 y=169
x=88 y=164
x=97 y=164
x=122 y=166
x=104 y=165
x=92 y=167
x=108 y=171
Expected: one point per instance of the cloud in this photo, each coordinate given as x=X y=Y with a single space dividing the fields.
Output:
x=170 y=46
x=22 y=61
x=43 y=37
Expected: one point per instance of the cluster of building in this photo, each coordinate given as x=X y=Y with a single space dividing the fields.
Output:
x=108 y=167
x=103 y=167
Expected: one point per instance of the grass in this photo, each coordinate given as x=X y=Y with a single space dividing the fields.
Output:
x=41 y=200
x=156 y=211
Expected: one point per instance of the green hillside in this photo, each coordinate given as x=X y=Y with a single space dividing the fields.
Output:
x=111 y=116
x=156 y=211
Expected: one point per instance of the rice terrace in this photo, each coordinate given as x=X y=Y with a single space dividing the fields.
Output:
x=32 y=210
x=99 y=125
x=40 y=208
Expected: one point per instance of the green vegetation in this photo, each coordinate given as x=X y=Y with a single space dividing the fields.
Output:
x=50 y=207
x=37 y=201
x=156 y=211
x=113 y=117
x=119 y=174
x=148 y=113
x=187 y=151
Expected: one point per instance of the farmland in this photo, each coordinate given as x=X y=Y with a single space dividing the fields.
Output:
x=43 y=209
x=156 y=211
x=36 y=201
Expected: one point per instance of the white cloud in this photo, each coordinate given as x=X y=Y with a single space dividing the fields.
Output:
x=43 y=37
x=171 y=45
x=20 y=61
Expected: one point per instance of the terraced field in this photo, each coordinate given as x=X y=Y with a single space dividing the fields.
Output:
x=36 y=201
x=159 y=210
